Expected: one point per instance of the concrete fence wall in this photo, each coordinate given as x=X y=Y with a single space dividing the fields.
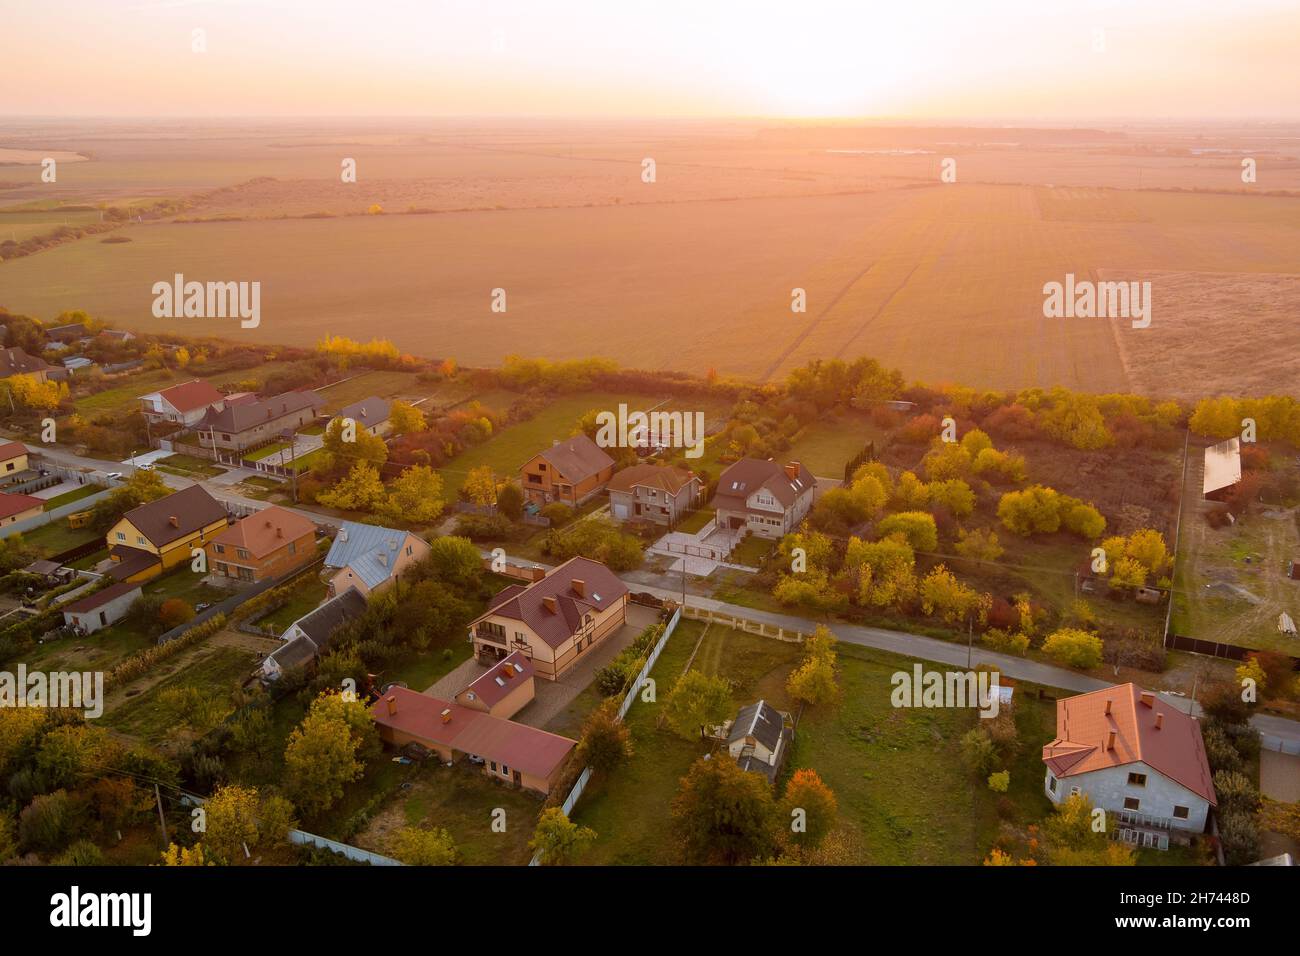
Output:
x=761 y=628
x=354 y=853
x=45 y=517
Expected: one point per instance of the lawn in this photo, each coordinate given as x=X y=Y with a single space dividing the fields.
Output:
x=67 y=498
x=215 y=673
x=187 y=465
x=903 y=795
x=752 y=551
x=272 y=449
x=56 y=537
x=694 y=522
x=125 y=398
x=380 y=384
x=507 y=451
x=828 y=445
x=304 y=598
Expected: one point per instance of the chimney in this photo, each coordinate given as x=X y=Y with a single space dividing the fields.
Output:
x=580 y=587
x=392 y=704
x=279 y=531
x=549 y=603
x=1107 y=706
x=792 y=470
x=446 y=715
x=1110 y=740
x=174 y=521
x=1160 y=719
x=1148 y=699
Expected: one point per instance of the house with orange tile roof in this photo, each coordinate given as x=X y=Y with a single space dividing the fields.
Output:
x=662 y=494
x=1134 y=754
x=266 y=544
x=510 y=752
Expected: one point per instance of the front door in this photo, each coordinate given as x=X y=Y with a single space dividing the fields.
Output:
x=518 y=778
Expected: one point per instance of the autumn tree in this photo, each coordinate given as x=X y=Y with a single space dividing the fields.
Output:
x=698 y=702
x=480 y=486
x=327 y=750
x=605 y=741
x=810 y=808
x=1074 y=836
x=813 y=681
x=953 y=601
x=510 y=501
x=416 y=846
x=557 y=840
x=361 y=490
x=405 y=419
x=916 y=526
x=346 y=445
x=723 y=815
x=1074 y=648
x=414 y=496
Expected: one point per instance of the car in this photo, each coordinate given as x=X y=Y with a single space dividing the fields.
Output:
x=114 y=476
x=201 y=607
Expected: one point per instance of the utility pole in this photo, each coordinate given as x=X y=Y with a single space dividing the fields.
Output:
x=162 y=820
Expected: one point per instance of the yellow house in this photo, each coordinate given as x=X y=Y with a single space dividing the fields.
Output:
x=13 y=458
x=156 y=537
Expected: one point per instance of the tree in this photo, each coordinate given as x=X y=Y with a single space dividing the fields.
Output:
x=698 y=702
x=916 y=526
x=807 y=793
x=415 y=846
x=953 y=494
x=361 y=490
x=557 y=840
x=979 y=545
x=978 y=752
x=1074 y=648
x=456 y=561
x=1069 y=838
x=364 y=446
x=324 y=750
x=141 y=488
x=1032 y=511
x=175 y=612
x=415 y=496
x=405 y=419
x=943 y=594
x=31 y=393
x=510 y=501
x=480 y=486
x=724 y=815
x=813 y=681
x=231 y=823
x=605 y=741
x=185 y=856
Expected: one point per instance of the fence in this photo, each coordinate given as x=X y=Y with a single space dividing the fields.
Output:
x=581 y=784
x=1280 y=744
x=46 y=517
x=762 y=628
x=354 y=853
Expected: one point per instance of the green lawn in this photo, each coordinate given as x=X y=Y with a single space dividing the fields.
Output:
x=828 y=445
x=507 y=451
x=56 y=537
x=268 y=451
x=382 y=384
x=216 y=674
x=188 y=465
x=304 y=598
x=125 y=398
x=751 y=551
x=694 y=522
x=67 y=498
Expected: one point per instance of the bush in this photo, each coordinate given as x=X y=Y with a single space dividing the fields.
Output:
x=484 y=527
x=174 y=612
x=978 y=752
x=1235 y=792
x=1219 y=749
x=558 y=513
x=1239 y=836
x=1074 y=648
x=1000 y=782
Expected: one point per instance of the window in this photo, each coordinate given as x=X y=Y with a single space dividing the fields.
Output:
x=1132 y=803
x=1181 y=813
x=1137 y=780
x=494 y=766
x=121 y=536
x=1051 y=783
x=139 y=539
x=221 y=549
x=293 y=547
x=505 y=771
x=408 y=551
x=241 y=553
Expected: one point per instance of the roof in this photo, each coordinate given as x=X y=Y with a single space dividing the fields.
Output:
x=664 y=477
x=761 y=721
x=116 y=334
x=100 y=598
x=294 y=653
x=267 y=530
x=576 y=458
x=320 y=624
x=369 y=550
x=499 y=680
x=74 y=330
x=515 y=745
x=748 y=475
x=12 y=449
x=14 y=361
x=368 y=412
x=192 y=508
x=130 y=561
x=243 y=416
x=11 y=505
x=1222 y=465
x=77 y=361
x=190 y=396
x=597 y=587
x=1174 y=748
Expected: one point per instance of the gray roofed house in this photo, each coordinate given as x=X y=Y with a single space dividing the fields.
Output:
x=243 y=425
x=760 y=739
x=306 y=637
x=370 y=413
x=370 y=557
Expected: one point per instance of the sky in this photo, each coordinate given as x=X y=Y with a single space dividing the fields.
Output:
x=994 y=59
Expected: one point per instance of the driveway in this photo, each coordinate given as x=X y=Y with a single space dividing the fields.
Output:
x=552 y=697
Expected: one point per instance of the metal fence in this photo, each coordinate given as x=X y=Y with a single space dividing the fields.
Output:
x=354 y=853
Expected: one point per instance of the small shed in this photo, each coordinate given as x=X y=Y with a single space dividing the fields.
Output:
x=1284 y=624
x=1222 y=469
x=103 y=608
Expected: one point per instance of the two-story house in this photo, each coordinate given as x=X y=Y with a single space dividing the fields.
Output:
x=759 y=739
x=264 y=545
x=763 y=497
x=1135 y=755
x=13 y=459
x=156 y=537
x=662 y=494
x=370 y=558
x=553 y=621
x=185 y=404
x=571 y=472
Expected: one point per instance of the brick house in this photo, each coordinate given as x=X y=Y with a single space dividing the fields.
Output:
x=572 y=472
x=264 y=545
x=240 y=427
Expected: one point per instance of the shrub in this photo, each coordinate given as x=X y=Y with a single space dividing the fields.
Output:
x=1000 y=782
x=978 y=752
x=1074 y=648
x=174 y=612
x=1235 y=792
x=1239 y=836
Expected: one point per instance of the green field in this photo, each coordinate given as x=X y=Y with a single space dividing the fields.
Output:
x=67 y=498
x=56 y=537
x=828 y=445
x=382 y=384
x=304 y=598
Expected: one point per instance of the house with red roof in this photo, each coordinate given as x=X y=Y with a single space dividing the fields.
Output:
x=503 y=689
x=15 y=508
x=186 y=403
x=1134 y=754
x=554 y=621
x=266 y=544
x=510 y=752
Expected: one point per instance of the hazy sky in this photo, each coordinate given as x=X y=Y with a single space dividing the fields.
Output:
x=952 y=58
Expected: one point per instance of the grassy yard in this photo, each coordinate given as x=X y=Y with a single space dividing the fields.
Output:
x=56 y=537
x=67 y=498
x=751 y=551
x=382 y=384
x=903 y=795
x=828 y=445
x=189 y=465
x=506 y=451
x=306 y=597
x=215 y=674
x=125 y=398
x=694 y=522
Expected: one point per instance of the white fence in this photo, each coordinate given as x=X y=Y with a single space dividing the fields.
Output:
x=762 y=628
x=354 y=853
x=572 y=799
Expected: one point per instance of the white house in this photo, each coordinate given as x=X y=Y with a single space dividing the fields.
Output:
x=1134 y=754
x=763 y=497
x=760 y=739
x=186 y=403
